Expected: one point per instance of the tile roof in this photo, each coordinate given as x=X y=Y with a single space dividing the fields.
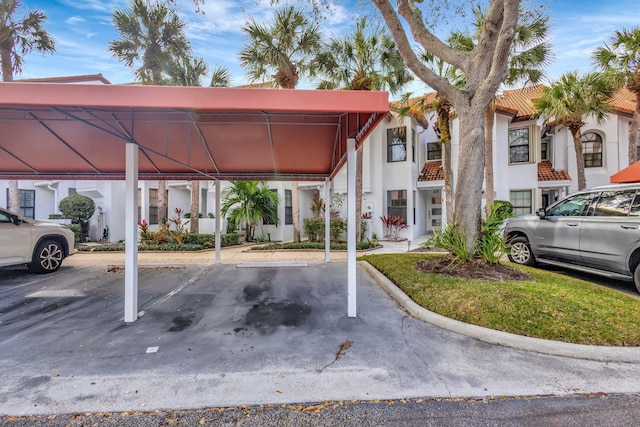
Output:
x=432 y=171
x=415 y=103
x=519 y=101
x=546 y=172
x=624 y=101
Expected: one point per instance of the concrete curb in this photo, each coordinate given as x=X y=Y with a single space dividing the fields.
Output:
x=554 y=348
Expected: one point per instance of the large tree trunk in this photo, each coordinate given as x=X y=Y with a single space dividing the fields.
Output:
x=295 y=209
x=14 y=197
x=577 y=143
x=448 y=182
x=195 y=206
x=470 y=170
x=444 y=114
x=163 y=215
x=488 y=158
x=485 y=68
x=633 y=132
x=359 y=193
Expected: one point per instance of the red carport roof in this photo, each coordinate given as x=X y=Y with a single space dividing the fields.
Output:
x=74 y=131
x=627 y=175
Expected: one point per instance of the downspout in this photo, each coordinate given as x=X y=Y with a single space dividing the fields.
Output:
x=56 y=202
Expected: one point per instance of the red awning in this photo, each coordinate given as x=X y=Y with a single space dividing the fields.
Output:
x=76 y=131
x=628 y=175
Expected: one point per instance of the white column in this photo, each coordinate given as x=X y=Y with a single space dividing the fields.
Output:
x=131 y=235
x=351 y=227
x=327 y=220
x=144 y=201
x=218 y=221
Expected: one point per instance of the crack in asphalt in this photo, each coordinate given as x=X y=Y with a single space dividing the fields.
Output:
x=424 y=362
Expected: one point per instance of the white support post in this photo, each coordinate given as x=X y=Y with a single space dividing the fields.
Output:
x=327 y=220
x=351 y=227
x=144 y=201
x=218 y=222
x=131 y=235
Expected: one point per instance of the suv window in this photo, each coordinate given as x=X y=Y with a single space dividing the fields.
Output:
x=572 y=205
x=613 y=203
x=4 y=217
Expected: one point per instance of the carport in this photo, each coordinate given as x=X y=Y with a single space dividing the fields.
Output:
x=120 y=132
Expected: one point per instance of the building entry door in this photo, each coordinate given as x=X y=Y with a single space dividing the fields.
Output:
x=434 y=210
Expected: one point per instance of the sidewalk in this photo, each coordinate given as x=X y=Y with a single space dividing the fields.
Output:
x=233 y=255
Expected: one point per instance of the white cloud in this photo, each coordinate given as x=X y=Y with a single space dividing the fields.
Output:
x=96 y=5
x=74 y=20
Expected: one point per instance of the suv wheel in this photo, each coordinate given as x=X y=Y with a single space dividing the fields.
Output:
x=47 y=257
x=636 y=277
x=520 y=251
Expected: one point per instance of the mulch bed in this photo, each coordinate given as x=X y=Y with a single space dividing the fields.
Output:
x=476 y=269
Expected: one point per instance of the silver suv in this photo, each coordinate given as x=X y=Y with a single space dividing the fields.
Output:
x=40 y=245
x=595 y=231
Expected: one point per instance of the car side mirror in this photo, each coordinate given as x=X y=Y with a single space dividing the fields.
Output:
x=542 y=213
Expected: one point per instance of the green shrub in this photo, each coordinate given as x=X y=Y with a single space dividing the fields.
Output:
x=56 y=216
x=492 y=245
x=191 y=242
x=209 y=240
x=452 y=239
x=312 y=245
x=504 y=208
x=314 y=228
x=77 y=207
x=171 y=247
x=206 y=240
x=77 y=232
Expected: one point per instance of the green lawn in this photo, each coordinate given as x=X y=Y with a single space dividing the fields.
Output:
x=552 y=306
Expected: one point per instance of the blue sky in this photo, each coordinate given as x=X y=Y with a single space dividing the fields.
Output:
x=82 y=30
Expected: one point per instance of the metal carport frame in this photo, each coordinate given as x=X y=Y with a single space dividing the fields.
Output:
x=74 y=131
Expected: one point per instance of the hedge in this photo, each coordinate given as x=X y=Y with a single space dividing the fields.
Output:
x=192 y=242
x=312 y=245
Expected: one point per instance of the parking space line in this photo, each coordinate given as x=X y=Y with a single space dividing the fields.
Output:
x=170 y=294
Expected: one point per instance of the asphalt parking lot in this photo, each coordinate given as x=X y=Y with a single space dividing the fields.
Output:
x=619 y=285
x=212 y=336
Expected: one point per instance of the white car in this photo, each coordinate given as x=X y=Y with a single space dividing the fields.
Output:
x=40 y=245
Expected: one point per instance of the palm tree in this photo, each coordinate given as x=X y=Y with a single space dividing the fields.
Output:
x=151 y=35
x=570 y=100
x=530 y=52
x=282 y=53
x=17 y=39
x=185 y=71
x=622 y=58
x=21 y=37
x=220 y=77
x=250 y=201
x=362 y=60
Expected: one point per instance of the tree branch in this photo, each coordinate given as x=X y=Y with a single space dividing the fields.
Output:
x=505 y=21
x=412 y=61
x=408 y=10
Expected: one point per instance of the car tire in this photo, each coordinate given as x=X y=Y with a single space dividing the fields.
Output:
x=47 y=257
x=520 y=251
x=636 y=277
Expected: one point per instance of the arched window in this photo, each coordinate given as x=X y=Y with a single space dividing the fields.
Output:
x=592 y=149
